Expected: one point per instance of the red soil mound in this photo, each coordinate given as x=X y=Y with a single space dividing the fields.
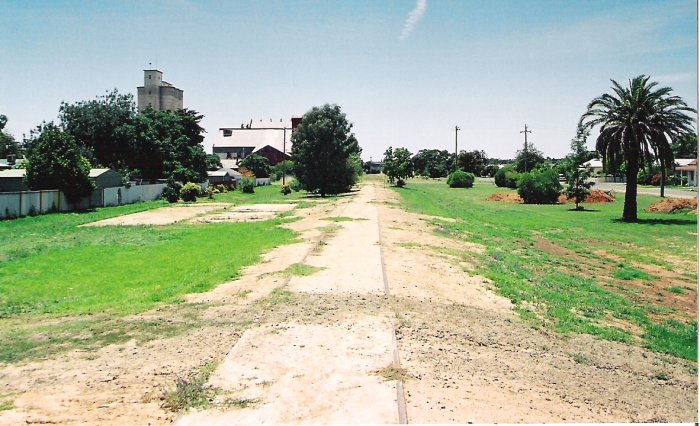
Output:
x=508 y=198
x=596 y=196
x=670 y=205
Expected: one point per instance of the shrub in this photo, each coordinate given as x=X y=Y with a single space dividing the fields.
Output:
x=248 y=185
x=461 y=179
x=541 y=186
x=507 y=177
x=286 y=190
x=172 y=191
x=190 y=192
x=295 y=185
x=211 y=190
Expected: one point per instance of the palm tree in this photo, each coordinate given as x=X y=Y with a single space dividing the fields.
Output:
x=637 y=124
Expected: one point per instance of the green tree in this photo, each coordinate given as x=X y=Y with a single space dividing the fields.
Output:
x=637 y=124
x=100 y=127
x=528 y=159
x=578 y=177
x=8 y=144
x=168 y=145
x=55 y=162
x=472 y=161
x=433 y=163
x=540 y=186
x=257 y=164
x=685 y=146
x=398 y=165
x=322 y=148
x=213 y=162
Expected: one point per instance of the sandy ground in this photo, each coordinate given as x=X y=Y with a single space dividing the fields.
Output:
x=390 y=293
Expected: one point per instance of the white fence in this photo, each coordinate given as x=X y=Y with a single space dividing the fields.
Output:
x=23 y=203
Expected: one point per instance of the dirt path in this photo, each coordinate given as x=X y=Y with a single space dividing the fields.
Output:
x=391 y=327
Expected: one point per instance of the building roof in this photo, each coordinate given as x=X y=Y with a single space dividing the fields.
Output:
x=223 y=172
x=228 y=163
x=689 y=167
x=595 y=163
x=18 y=173
x=13 y=173
x=685 y=161
x=98 y=172
x=256 y=138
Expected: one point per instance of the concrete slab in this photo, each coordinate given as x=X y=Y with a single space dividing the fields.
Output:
x=308 y=374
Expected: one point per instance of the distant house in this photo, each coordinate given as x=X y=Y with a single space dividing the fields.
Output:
x=374 y=167
x=595 y=164
x=223 y=176
x=688 y=169
x=271 y=139
x=106 y=178
x=10 y=162
x=13 y=180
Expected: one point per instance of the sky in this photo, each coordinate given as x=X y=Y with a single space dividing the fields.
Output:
x=405 y=72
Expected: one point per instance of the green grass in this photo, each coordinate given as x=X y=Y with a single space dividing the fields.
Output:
x=124 y=270
x=65 y=287
x=300 y=270
x=562 y=282
x=629 y=273
x=269 y=194
x=278 y=297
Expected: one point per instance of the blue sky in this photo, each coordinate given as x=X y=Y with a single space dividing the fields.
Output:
x=404 y=71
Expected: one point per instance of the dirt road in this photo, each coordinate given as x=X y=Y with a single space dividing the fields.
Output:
x=392 y=327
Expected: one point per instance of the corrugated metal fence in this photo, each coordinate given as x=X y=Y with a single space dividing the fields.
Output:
x=23 y=203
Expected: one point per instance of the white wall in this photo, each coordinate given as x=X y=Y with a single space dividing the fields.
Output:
x=16 y=204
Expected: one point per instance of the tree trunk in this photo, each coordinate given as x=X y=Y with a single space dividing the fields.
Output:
x=663 y=178
x=629 y=213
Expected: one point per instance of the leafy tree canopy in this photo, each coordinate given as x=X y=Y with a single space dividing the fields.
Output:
x=257 y=164
x=472 y=161
x=528 y=159
x=397 y=164
x=8 y=144
x=213 y=162
x=100 y=127
x=168 y=145
x=433 y=163
x=55 y=162
x=322 y=148
x=685 y=146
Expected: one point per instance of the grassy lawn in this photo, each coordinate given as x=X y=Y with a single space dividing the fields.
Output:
x=270 y=194
x=579 y=272
x=61 y=281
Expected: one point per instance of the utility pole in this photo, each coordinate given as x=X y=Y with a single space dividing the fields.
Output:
x=284 y=152
x=457 y=129
x=525 y=147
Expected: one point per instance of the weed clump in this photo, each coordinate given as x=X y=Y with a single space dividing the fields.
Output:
x=191 y=391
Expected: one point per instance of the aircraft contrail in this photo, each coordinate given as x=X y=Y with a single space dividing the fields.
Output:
x=413 y=18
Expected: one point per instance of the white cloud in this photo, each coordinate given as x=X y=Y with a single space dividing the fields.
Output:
x=413 y=18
